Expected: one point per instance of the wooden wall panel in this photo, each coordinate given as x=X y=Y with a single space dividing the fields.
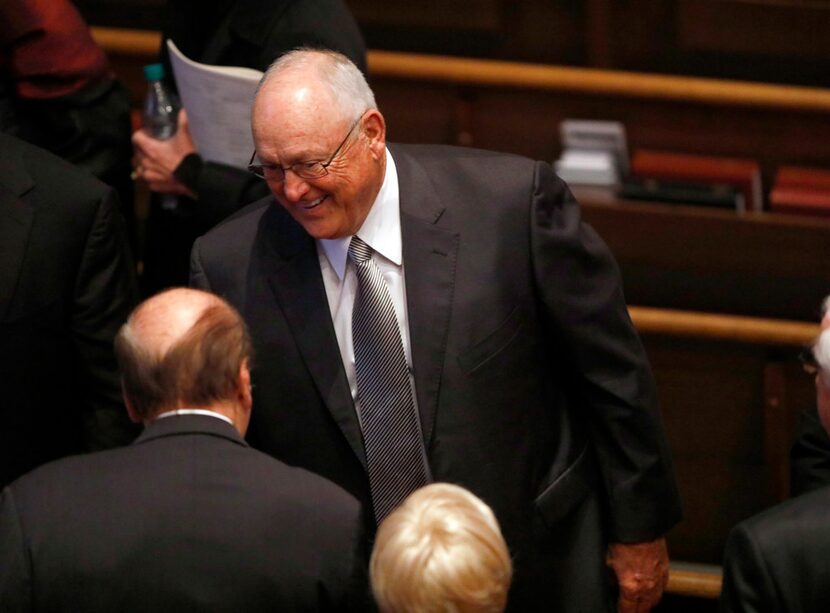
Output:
x=755 y=27
x=685 y=258
x=763 y=40
x=712 y=398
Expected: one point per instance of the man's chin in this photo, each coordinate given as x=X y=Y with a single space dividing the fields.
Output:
x=322 y=229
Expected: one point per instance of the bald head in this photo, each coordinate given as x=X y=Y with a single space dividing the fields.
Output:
x=184 y=348
x=159 y=322
x=305 y=76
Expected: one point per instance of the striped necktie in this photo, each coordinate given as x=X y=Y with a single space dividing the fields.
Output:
x=391 y=434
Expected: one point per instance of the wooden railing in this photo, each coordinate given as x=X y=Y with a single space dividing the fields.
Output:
x=695 y=580
x=751 y=330
x=492 y=73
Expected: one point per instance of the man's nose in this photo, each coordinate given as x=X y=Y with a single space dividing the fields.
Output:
x=293 y=186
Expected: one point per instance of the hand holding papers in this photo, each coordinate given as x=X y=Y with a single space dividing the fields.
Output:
x=218 y=101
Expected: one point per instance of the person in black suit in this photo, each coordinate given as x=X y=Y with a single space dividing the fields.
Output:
x=810 y=453
x=67 y=283
x=777 y=560
x=188 y=518
x=58 y=92
x=531 y=386
x=249 y=33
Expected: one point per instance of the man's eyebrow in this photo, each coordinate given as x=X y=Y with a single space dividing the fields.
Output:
x=291 y=160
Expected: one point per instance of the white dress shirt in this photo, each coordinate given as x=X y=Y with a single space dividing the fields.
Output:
x=382 y=232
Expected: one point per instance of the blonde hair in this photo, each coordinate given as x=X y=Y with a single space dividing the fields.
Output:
x=441 y=550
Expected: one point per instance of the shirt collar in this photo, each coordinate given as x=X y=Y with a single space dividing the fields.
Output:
x=381 y=229
x=194 y=412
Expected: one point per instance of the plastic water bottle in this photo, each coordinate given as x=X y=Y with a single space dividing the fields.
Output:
x=159 y=116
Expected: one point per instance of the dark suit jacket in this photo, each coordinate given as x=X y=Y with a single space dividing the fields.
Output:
x=249 y=33
x=533 y=388
x=779 y=561
x=66 y=284
x=188 y=518
x=810 y=455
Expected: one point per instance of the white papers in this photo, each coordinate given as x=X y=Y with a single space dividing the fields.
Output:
x=218 y=102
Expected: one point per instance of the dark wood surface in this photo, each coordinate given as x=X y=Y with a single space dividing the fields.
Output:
x=762 y=265
x=730 y=424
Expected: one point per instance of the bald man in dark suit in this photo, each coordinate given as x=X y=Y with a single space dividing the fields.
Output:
x=188 y=518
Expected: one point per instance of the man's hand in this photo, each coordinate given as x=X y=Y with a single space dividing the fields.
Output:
x=642 y=571
x=155 y=160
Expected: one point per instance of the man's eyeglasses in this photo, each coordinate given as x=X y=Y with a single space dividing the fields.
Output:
x=304 y=170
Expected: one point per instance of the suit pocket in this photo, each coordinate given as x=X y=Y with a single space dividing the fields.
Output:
x=568 y=489
x=482 y=352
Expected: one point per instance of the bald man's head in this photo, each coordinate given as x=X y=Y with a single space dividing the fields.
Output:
x=182 y=348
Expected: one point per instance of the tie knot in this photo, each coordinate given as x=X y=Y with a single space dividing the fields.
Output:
x=359 y=251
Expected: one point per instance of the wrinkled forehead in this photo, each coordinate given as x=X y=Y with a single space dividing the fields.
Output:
x=292 y=119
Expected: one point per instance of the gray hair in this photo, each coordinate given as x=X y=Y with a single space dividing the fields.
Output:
x=352 y=94
x=825 y=306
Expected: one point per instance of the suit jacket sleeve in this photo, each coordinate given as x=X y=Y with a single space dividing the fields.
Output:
x=15 y=565
x=104 y=294
x=358 y=595
x=746 y=579
x=198 y=278
x=810 y=455
x=614 y=391
x=223 y=190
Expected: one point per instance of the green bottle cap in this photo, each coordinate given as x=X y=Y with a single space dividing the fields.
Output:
x=154 y=72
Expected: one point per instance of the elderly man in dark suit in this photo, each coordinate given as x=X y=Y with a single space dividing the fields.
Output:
x=431 y=313
x=777 y=560
x=188 y=518
x=67 y=283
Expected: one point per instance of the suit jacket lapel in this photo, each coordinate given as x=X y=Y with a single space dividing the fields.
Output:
x=16 y=217
x=297 y=283
x=429 y=256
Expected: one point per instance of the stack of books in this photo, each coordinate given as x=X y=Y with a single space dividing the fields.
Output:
x=801 y=190
x=703 y=180
x=594 y=153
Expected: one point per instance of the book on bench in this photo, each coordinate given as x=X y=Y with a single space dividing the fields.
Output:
x=714 y=195
x=801 y=190
x=742 y=174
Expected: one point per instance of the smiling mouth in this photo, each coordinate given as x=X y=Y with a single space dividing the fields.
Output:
x=314 y=204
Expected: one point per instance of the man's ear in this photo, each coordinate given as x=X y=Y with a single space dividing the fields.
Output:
x=374 y=128
x=245 y=394
x=131 y=412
